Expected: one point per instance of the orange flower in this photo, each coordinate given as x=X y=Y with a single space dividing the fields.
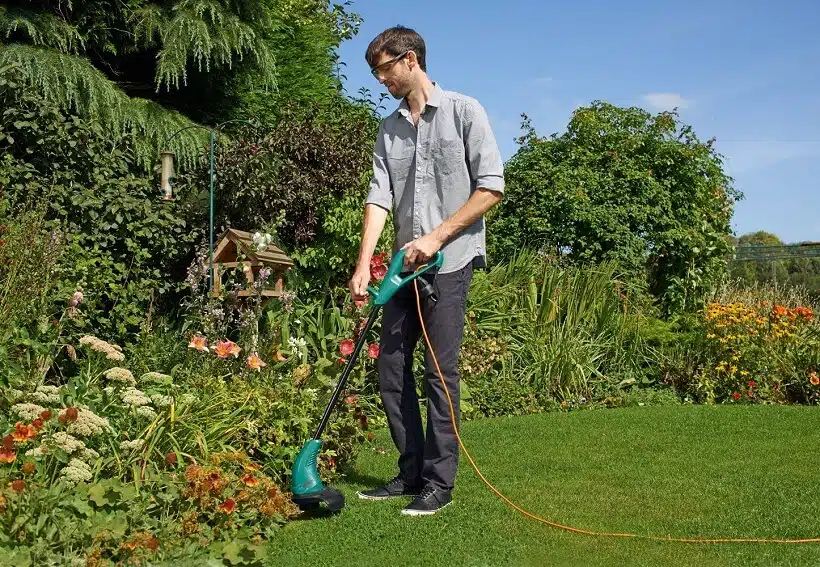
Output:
x=780 y=311
x=279 y=357
x=225 y=348
x=18 y=485
x=228 y=506
x=7 y=456
x=252 y=467
x=23 y=433
x=199 y=343
x=29 y=468
x=68 y=415
x=814 y=379
x=255 y=363
x=250 y=480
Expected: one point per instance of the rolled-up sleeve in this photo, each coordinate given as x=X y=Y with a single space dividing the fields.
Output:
x=483 y=156
x=380 y=192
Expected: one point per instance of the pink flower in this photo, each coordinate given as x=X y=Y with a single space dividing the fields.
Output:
x=255 y=363
x=199 y=343
x=373 y=351
x=346 y=347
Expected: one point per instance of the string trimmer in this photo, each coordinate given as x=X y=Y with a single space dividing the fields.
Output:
x=306 y=486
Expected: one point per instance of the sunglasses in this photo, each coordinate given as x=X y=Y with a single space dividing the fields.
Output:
x=387 y=64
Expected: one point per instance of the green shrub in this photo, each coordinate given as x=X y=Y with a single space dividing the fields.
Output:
x=123 y=245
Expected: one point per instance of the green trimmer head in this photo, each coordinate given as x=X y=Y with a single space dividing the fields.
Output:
x=306 y=486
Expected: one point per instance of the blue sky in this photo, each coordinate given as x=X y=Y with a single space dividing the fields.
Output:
x=747 y=73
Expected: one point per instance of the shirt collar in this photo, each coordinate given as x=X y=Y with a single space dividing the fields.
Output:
x=434 y=100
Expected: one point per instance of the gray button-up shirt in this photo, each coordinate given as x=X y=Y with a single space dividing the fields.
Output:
x=425 y=174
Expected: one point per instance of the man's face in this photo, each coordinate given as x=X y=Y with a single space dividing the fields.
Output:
x=394 y=73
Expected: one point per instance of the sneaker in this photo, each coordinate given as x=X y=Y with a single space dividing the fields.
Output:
x=394 y=488
x=430 y=501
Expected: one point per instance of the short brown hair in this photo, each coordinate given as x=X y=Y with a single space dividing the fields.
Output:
x=395 y=41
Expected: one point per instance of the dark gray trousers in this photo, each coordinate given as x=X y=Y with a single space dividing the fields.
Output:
x=433 y=460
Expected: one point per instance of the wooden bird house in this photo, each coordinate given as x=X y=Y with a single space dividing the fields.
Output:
x=235 y=243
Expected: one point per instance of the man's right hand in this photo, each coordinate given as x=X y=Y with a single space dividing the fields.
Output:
x=358 y=284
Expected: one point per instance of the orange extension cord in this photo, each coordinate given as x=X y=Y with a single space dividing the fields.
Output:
x=560 y=526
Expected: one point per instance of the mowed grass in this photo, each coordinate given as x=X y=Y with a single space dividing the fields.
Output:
x=715 y=472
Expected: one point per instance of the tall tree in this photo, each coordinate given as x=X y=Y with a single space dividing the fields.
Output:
x=147 y=69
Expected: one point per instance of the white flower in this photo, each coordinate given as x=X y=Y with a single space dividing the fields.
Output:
x=134 y=397
x=147 y=412
x=76 y=471
x=111 y=351
x=88 y=423
x=161 y=401
x=89 y=454
x=46 y=395
x=261 y=241
x=67 y=443
x=16 y=395
x=134 y=445
x=37 y=452
x=28 y=412
x=118 y=374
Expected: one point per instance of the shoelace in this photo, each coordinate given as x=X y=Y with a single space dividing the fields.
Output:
x=427 y=492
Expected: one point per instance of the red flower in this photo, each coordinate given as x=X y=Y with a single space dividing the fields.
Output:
x=378 y=272
x=18 y=485
x=346 y=347
x=68 y=415
x=228 y=506
x=751 y=383
x=371 y=436
x=373 y=351
x=351 y=399
x=341 y=361
x=8 y=442
x=736 y=395
x=376 y=261
x=750 y=394
x=7 y=456
x=45 y=415
x=37 y=423
x=171 y=458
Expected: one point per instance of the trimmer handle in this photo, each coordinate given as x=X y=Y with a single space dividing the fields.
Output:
x=392 y=281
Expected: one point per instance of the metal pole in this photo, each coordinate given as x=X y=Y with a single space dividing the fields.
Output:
x=211 y=226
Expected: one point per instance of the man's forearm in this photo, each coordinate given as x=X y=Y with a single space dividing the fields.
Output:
x=481 y=201
x=372 y=226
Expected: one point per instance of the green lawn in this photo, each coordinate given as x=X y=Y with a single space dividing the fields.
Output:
x=682 y=471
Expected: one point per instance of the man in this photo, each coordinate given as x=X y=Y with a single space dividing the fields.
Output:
x=437 y=167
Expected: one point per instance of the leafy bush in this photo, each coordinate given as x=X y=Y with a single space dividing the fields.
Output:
x=123 y=246
x=303 y=179
x=622 y=185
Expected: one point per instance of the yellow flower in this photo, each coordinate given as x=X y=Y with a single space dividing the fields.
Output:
x=732 y=369
x=744 y=372
x=735 y=357
x=711 y=336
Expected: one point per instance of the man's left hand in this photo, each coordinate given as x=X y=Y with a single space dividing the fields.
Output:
x=421 y=249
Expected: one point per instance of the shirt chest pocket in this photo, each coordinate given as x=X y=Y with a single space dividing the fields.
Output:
x=400 y=161
x=447 y=155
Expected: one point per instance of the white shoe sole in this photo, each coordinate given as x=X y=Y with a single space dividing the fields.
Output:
x=424 y=512
x=366 y=497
